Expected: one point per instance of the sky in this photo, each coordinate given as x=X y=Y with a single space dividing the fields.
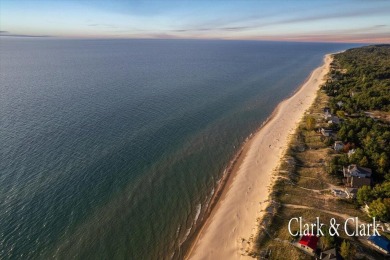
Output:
x=300 y=20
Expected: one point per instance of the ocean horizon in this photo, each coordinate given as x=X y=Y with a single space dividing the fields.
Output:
x=114 y=148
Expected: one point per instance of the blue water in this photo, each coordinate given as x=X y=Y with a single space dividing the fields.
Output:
x=112 y=148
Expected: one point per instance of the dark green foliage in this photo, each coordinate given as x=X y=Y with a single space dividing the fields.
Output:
x=378 y=199
x=364 y=195
x=379 y=209
x=327 y=241
x=359 y=83
x=360 y=78
x=365 y=83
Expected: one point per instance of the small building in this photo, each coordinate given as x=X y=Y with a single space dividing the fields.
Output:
x=334 y=120
x=338 y=146
x=330 y=254
x=339 y=194
x=327 y=116
x=356 y=176
x=326 y=132
x=357 y=182
x=327 y=113
x=351 y=152
x=357 y=171
x=351 y=192
x=380 y=243
x=340 y=103
x=309 y=243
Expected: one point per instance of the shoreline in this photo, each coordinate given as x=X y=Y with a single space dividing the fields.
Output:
x=237 y=206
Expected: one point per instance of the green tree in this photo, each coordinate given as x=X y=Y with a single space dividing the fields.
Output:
x=383 y=161
x=327 y=240
x=351 y=135
x=364 y=195
x=379 y=210
x=346 y=251
x=364 y=161
x=357 y=156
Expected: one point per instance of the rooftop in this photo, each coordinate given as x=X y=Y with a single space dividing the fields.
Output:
x=381 y=242
x=310 y=241
x=354 y=169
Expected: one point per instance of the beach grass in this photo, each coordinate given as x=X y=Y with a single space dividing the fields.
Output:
x=303 y=181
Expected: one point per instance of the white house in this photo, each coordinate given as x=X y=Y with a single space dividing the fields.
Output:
x=338 y=146
x=326 y=132
x=333 y=120
x=350 y=152
x=356 y=171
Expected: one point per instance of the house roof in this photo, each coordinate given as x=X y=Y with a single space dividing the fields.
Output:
x=329 y=254
x=310 y=241
x=357 y=182
x=380 y=241
x=353 y=168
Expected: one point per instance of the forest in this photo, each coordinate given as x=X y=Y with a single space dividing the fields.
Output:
x=359 y=91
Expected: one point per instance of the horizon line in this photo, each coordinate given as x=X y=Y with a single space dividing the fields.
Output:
x=303 y=40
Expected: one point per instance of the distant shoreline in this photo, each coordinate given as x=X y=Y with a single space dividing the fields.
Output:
x=217 y=236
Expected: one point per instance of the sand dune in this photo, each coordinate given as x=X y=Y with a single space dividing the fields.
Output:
x=246 y=195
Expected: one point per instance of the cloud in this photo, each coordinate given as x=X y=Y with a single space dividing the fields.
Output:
x=8 y=34
x=348 y=14
x=103 y=25
x=233 y=28
x=252 y=22
x=357 y=35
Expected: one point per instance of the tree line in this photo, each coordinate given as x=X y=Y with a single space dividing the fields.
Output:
x=359 y=84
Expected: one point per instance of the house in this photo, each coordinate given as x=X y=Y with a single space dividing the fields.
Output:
x=339 y=194
x=350 y=152
x=351 y=192
x=357 y=171
x=309 y=243
x=334 y=120
x=338 y=146
x=380 y=243
x=356 y=176
x=356 y=182
x=325 y=132
x=327 y=113
x=329 y=254
x=327 y=116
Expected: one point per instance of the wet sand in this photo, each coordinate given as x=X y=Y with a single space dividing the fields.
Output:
x=246 y=194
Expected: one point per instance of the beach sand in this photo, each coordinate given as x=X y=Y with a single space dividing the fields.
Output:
x=246 y=194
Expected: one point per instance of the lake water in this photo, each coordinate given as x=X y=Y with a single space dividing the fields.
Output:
x=111 y=149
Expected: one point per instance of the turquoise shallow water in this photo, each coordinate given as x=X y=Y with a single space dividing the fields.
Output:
x=112 y=148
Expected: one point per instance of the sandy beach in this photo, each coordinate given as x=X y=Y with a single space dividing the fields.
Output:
x=247 y=192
